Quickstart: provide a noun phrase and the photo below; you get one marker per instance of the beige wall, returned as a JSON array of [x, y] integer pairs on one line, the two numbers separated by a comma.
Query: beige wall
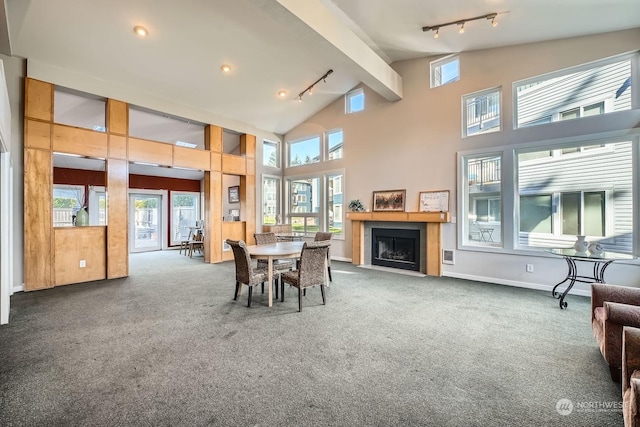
[[412, 144]]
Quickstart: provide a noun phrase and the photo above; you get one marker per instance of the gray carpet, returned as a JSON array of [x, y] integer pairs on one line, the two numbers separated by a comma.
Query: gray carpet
[[169, 347]]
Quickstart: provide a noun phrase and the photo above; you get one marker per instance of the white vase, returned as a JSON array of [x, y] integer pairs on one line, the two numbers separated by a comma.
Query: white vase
[[595, 249], [581, 245]]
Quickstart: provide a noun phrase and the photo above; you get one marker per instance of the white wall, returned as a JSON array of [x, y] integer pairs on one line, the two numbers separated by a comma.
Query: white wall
[[412, 144]]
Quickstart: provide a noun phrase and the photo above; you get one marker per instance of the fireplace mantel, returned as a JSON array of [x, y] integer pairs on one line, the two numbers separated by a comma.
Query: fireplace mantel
[[433, 220]]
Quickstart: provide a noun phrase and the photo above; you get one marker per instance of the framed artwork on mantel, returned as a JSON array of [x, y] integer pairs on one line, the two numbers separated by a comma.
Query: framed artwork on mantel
[[389, 201], [434, 201]]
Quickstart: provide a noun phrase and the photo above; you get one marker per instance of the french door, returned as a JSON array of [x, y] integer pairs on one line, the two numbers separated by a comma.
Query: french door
[[145, 222]]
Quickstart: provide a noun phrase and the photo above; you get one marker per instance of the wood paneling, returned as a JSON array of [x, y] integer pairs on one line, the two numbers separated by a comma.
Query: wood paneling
[[233, 165], [67, 139], [37, 134], [38, 100], [400, 216], [191, 158], [213, 138], [117, 218], [117, 147], [141, 150], [216, 162], [357, 242], [251, 167], [235, 231], [248, 145], [434, 249], [213, 216], [248, 204], [117, 117], [38, 219], [75, 244]]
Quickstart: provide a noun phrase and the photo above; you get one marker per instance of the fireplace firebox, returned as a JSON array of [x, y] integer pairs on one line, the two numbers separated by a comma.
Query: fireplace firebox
[[395, 248]]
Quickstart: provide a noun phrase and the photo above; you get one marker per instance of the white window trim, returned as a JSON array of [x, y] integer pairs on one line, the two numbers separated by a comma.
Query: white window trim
[[304, 138], [326, 144], [278, 196], [278, 154], [479, 94], [439, 63], [347, 99]]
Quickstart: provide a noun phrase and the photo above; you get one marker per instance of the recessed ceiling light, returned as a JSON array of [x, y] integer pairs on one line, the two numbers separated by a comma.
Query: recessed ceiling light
[[185, 144], [140, 30], [282, 93], [226, 68]]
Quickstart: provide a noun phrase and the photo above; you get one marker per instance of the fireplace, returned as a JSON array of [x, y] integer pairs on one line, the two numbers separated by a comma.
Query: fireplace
[[396, 248]]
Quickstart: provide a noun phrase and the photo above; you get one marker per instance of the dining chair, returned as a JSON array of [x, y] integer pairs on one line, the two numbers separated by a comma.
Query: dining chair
[[196, 243], [184, 244], [279, 265], [311, 271], [320, 237], [245, 273]]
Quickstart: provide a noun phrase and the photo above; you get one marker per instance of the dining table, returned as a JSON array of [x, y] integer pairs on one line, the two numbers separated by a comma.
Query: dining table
[[274, 251]]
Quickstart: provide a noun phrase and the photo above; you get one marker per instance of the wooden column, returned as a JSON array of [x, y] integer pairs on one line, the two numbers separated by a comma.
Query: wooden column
[[213, 196], [434, 249], [357, 242], [248, 185]]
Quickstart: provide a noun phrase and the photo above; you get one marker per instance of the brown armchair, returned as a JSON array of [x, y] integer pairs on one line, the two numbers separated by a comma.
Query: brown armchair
[[631, 376], [612, 308]]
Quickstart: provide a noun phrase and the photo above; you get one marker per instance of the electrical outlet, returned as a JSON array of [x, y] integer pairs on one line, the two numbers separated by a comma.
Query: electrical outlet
[[529, 268], [83, 263]]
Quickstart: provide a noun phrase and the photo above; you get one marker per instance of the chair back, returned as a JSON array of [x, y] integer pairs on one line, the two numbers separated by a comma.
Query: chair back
[[321, 236], [265, 238], [242, 259], [312, 259]]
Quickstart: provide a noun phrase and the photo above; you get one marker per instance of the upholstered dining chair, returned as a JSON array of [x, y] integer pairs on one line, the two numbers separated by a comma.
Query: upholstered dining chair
[[631, 376], [245, 273], [310, 272], [321, 236], [279, 265]]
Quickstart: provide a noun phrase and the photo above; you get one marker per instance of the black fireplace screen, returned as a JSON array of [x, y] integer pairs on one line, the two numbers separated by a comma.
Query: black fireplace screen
[[396, 248]]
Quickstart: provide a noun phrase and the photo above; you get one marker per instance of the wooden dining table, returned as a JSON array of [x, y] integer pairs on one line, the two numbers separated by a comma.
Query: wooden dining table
[[272, 252]]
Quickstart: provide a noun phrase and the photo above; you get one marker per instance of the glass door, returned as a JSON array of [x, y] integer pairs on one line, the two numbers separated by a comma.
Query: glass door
[[145, 219], [185, 213]]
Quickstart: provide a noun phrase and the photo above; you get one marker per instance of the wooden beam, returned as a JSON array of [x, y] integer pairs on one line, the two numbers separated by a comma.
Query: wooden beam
[[117, 218]]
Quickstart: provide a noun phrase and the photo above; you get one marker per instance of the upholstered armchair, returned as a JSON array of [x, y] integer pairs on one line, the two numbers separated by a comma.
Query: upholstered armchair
[[245, 273], [631, 376], [612, 308], [311, 271]]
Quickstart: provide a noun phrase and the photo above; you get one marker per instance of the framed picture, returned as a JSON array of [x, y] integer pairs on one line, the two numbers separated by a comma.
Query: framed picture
[[234, 194], [434, 201], [389, 201]]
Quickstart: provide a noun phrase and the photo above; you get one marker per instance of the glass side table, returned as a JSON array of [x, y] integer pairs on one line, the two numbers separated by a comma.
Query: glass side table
[[600, 263]]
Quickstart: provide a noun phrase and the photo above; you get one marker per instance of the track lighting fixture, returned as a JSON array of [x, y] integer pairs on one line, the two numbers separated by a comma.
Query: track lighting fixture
[[309, 89], [436, 28]]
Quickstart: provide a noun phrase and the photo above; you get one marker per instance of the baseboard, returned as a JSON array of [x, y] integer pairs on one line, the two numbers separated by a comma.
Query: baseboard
[[514, 283], [339, 258], [19, 288]]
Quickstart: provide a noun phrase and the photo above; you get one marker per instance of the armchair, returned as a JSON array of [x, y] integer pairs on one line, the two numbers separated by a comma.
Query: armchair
[[631, 376], [612, 308]]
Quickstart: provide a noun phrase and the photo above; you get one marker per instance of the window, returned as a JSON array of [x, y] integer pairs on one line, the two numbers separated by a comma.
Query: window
[[270, 154], [315, 203], [304, 151], [445, 70], [334, 203], [481, 112], [67, 200], [270, 199], [334, 144], [79, 109], [185, 212], [585, 190], [354, 101], [483, 200], [587, 90]]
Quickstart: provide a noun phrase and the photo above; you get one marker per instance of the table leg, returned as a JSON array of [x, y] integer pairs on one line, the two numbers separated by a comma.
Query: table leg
[[270, 282], [571, 276], [572, 272]]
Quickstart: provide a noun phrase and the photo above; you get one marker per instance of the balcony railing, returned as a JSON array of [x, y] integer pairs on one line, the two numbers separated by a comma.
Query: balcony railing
[[483, 109], [484, 171]]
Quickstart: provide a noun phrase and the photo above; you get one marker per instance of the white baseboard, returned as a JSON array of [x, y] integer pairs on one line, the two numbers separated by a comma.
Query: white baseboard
[[514, 283], [339, 258], [19, 288]]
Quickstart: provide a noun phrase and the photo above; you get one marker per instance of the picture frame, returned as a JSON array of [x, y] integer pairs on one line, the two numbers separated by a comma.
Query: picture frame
[[389, 200], [433, 201], [234, 194]]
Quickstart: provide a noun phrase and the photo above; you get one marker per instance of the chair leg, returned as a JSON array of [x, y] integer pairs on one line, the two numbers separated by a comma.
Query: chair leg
[[263, 287], [235, 296], [250, 292], [616, 374], [329, 270], [275, 285], [299, 300], [304, 292], [322, 292], [281, 290]]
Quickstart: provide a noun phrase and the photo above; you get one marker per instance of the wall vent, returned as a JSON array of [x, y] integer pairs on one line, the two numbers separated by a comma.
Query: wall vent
[[448, 256]]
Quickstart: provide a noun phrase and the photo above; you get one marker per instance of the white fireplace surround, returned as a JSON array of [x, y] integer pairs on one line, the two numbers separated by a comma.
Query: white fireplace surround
[[398, 225]]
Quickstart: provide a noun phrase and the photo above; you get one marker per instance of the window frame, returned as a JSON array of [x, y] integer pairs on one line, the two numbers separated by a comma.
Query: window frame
[[438, 64], [349, 96], [465, 110], [278, 201], [276, 144], [327, 148], [301, 140]]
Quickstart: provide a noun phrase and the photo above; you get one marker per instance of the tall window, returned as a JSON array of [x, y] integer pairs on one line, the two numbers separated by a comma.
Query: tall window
[[445, 70], [334, 144], [304, 204], [304, 151], [334, 203], [185, 211], [270, 154], [483, 200], [270, 199], [591, 89], [354, 101], [481, 112]]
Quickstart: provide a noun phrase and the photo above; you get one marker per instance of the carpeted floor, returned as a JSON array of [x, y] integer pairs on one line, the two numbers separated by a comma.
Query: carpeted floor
[[169, 347]]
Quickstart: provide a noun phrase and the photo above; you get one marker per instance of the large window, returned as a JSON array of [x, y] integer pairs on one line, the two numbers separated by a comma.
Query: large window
[[483, 194], [591, 89], [445, 70], [270, 154], [270, 200], [481, 112], [304, 151], [315, 203]]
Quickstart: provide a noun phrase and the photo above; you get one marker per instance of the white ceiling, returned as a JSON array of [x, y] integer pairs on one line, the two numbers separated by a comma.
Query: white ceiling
[[275, 45]]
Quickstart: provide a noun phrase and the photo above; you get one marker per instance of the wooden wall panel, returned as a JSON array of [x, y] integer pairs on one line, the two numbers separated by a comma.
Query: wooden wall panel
[[67, 139], [233, 165], [38, 219], [117, 218], [191, 158], [251, 167], [216, 162], [38, 100], [213, 138], [37, 134], [248, 145], [141, 150], [74, 244], [434, 249], [117, 147], [357, 242], [248, 204], [117, 117], [235, 231], [213, 216]]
